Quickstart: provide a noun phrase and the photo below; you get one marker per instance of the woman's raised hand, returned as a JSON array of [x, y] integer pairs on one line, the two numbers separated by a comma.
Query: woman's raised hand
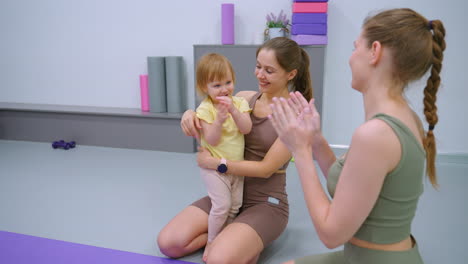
[[190, 124], [295, 120], [299, 103]]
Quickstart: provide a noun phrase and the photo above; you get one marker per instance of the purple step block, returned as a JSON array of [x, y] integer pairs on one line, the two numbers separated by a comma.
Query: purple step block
[[309, 29], [310, 1], [310, 39], [309, 18]]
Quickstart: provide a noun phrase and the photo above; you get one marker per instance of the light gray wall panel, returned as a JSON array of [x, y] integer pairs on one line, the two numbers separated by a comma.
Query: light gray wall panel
[[121, 131]]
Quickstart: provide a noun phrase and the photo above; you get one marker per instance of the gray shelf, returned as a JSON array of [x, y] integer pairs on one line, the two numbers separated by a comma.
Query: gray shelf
[[86, 110], [96, 126]]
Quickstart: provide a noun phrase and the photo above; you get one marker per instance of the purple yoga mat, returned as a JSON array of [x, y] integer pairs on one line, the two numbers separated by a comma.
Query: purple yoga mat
[[227, 24], [309, 18], [23, 249], [309, 29]]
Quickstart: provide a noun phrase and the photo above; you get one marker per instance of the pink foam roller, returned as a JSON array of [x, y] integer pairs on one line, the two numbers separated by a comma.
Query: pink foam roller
[[227, 24], [144, 93], [319, 7]]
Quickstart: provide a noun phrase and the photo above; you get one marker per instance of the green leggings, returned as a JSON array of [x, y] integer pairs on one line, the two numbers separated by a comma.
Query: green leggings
[[357, 255]]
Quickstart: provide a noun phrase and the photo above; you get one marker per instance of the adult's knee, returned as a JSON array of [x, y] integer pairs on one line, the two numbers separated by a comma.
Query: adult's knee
[[219, 257], [169, 245]]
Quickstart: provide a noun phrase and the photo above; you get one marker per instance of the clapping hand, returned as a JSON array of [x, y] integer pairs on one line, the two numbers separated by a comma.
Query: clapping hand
[[227, 101], [223, 111], [298, 103]]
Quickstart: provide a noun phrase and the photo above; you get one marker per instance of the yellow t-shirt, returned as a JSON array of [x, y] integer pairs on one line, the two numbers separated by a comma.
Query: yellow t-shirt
[[231, 144]]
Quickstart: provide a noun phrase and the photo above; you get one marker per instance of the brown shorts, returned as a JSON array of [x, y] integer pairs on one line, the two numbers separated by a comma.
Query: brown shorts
[[267, 219]]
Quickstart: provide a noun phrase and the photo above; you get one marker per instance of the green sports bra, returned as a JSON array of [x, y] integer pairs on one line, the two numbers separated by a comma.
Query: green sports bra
[[390, 219]]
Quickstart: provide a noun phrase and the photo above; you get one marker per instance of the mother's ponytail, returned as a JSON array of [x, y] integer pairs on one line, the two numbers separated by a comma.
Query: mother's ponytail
[[302, 82]]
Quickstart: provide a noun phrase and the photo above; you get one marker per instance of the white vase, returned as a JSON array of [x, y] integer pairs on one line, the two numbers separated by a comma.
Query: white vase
[[276, 32]]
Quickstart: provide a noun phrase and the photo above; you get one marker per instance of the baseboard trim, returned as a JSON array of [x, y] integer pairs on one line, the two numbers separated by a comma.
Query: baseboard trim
[[442, 157], [455, 158]]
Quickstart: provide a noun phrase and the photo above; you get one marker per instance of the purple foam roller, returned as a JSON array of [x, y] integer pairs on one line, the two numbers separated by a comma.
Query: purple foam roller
[[227, 24]]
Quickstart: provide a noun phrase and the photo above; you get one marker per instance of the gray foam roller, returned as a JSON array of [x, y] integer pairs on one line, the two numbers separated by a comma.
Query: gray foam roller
[[176, 93], [157, 84]]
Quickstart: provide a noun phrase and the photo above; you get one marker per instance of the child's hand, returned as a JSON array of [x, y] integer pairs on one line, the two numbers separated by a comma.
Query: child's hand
[[222, 112], [226, 100]]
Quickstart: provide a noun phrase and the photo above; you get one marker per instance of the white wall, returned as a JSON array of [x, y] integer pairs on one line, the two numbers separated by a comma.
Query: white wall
[[91, 52], [343, 111]]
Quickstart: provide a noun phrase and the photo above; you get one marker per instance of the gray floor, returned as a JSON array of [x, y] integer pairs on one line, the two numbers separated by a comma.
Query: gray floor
[[121, 198]]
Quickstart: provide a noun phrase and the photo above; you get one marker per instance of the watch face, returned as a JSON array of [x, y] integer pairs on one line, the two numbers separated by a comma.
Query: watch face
[[222, 168]]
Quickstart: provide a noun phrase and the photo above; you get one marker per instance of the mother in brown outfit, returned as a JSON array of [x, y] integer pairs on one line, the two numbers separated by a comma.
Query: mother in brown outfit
[[282, 66]]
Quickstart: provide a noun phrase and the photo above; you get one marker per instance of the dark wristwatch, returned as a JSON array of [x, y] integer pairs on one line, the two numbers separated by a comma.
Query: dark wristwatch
[[222, 167]]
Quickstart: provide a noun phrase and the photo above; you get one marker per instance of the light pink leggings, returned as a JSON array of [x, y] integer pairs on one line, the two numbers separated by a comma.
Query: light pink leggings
[[225, 192]]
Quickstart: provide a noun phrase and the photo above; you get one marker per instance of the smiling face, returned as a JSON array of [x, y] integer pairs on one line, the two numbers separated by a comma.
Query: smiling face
[[223, 87], [272, 78], [215, 76]]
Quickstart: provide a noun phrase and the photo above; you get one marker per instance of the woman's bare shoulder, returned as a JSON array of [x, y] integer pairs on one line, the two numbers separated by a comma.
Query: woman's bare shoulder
[[246, 94]]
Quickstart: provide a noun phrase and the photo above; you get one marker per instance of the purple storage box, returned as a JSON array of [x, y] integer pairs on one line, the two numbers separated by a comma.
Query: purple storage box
[[310, 39], [309, 18], [309, 29]]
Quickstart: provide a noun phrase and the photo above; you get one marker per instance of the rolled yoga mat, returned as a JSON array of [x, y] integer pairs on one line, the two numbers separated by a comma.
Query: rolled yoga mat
[[227, 24], [157, 84], [144, 93], [176, 92], [24, 249]]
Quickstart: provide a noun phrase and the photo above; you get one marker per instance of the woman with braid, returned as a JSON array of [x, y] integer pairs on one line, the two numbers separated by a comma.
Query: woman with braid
[[376, 185]]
